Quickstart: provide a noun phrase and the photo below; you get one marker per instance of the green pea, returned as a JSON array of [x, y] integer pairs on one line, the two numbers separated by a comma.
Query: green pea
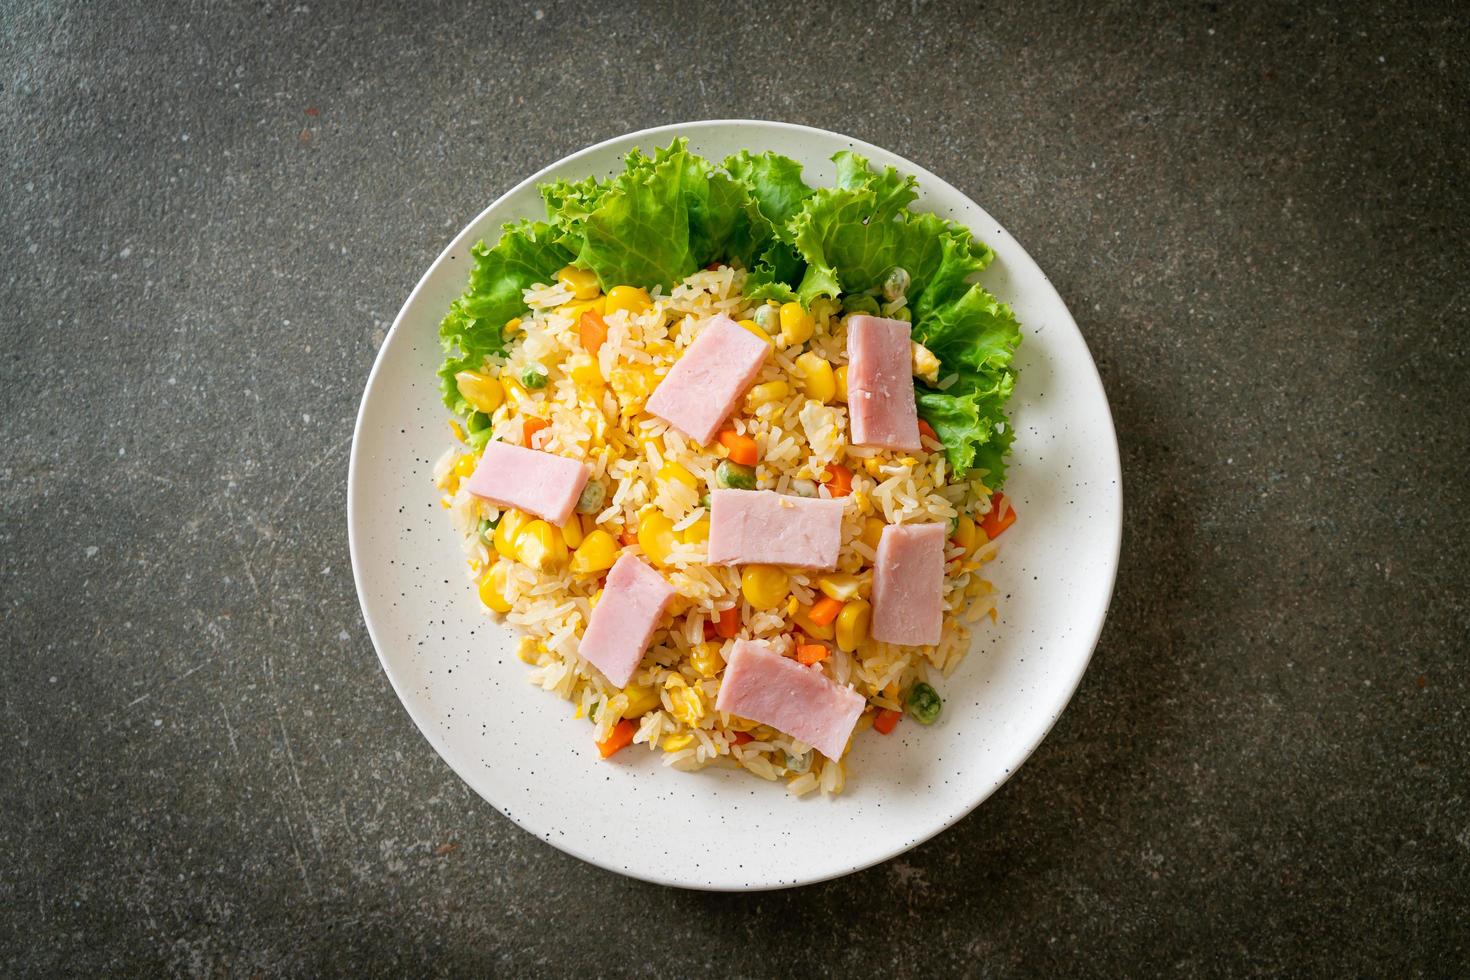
[[704, 501], [591, 500], [924, 703], [896, 284], [859, 303], [734, 476], [768, 318], [532, 377], [903, 315]]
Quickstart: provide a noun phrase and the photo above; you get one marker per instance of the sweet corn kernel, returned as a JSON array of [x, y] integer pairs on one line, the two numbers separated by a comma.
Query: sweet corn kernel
[[514, 390], [581, 283], [754, 328], [465, 465], [841, 587], [696, 533], [840, 376], [676, 743], [584, 371], [482, 392], [821, 383], [634, 299], [540, 546], [764, 586], [672, 471], [457, 429], [873, 532], [964, 534], [852, 624], [641, 700], [766, 394], [492, 588], [597, 553], [656, 536], [572, 533], [706, 659], [797, 325], [925, 364], [873, 467], [508, 530], [512, 327]]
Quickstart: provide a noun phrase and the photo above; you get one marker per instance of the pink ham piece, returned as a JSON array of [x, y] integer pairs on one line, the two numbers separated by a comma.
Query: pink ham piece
[[774, 529], [633, 601], [880, 383], [538, 483], [908, 584], [702, 387], [765, 687]]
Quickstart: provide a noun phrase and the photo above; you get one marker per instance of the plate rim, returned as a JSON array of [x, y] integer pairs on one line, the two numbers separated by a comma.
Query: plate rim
[[1054, 708]]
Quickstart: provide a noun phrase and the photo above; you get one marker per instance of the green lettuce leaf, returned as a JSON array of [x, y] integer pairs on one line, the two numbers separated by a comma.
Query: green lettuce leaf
[[774, 274], [852, 235], [526, 254], [773, 180], [664, 217], [974, 336]]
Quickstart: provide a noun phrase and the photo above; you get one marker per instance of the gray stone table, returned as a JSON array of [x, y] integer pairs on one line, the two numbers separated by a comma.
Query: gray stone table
[[212, 212]]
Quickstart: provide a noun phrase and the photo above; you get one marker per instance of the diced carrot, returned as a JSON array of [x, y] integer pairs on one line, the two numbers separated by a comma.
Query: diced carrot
[[530, 428], [593, 331], [742, 449], [811, 653], [840, 482], [742, 737], [887, 720], [709, 630], [729, 622], [628, 539], [619, 738], [1002, 515], [927, 431], [825, 610]]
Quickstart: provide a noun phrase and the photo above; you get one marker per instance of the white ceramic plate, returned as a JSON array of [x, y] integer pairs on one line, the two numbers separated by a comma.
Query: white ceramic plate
[[456, 672]]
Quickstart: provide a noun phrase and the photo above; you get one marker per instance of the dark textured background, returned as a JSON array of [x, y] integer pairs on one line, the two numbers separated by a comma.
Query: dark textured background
[[212, 213]]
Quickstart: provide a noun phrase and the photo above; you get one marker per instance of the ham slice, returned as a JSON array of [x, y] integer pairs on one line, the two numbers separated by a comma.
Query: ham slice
[[702, 387], [633, 601], [880, 383], [908, 584], [774, 529], [539, 483], [765, 687]]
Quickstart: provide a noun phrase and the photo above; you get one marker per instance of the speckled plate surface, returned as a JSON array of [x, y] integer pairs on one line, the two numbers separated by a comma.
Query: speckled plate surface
[[457, 674]]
